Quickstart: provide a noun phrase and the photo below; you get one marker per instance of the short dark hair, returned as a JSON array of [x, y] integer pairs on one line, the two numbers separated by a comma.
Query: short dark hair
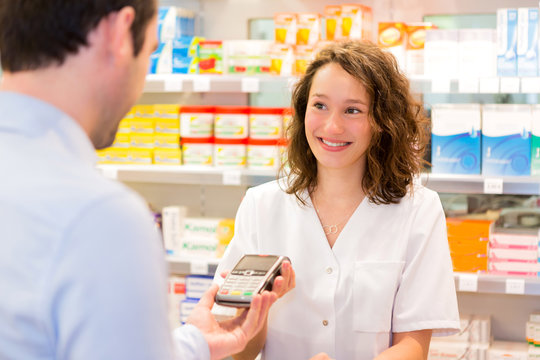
[[400, 129], [38, 33]]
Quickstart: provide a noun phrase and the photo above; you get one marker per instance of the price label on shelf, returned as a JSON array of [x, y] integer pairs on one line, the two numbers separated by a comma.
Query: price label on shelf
[[468, 85], [232, 177], [198, 267], [201, 83], [489, 85], [515, 286], [440, 85], [493, 186], [173, 84], [250, 85], [509, 85], [468, 282], [530, 85]]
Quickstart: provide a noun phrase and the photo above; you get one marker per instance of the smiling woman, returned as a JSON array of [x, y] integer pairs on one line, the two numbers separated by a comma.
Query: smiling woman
[[369, 248]]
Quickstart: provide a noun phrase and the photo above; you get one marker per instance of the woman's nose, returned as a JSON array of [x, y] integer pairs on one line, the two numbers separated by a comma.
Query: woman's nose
[[334, 123]]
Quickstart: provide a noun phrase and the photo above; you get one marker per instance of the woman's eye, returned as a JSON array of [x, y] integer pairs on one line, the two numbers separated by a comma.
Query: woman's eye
[[319, 106], [353, 111]]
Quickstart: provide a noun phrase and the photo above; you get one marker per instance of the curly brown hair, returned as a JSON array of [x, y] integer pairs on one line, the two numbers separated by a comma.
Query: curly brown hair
[[400, 127]]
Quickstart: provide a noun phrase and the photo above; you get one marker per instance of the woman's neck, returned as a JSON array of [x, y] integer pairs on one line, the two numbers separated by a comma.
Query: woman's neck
[[339, 185]]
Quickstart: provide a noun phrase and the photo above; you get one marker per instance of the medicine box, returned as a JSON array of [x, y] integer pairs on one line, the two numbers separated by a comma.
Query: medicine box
[[527, 44], [196, 285], [186, 307], [507, 34], [456, 139], [535, 140], [506, 143], [441, 51]]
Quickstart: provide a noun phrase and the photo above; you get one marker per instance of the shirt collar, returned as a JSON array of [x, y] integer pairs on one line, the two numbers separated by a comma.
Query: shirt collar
[[31, 117]]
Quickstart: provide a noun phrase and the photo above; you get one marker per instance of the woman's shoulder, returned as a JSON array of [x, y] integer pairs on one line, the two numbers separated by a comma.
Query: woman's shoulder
[[419, 195], [269, 189]]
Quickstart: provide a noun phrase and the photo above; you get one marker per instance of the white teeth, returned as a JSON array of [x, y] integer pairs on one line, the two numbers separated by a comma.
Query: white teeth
[[333, 144]]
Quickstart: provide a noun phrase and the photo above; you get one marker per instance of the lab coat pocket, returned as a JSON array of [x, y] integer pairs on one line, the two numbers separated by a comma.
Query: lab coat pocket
[[374, 289]]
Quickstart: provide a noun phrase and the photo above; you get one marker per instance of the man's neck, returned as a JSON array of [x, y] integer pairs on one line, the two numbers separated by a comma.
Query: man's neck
[[56, 86]]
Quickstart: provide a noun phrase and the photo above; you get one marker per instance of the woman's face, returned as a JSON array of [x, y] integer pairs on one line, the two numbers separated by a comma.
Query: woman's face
[[338, 127]]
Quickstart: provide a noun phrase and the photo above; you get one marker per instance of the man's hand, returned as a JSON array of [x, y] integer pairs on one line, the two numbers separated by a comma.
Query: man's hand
[[230, 336]]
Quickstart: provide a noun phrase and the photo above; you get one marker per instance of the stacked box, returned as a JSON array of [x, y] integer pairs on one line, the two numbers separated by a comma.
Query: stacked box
[[507, 35], [514, 252], [506, 140], [468, 241], [527, 43], [455, 139]]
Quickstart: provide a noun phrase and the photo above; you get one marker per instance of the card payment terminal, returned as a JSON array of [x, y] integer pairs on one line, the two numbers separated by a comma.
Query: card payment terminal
[[250, 276]]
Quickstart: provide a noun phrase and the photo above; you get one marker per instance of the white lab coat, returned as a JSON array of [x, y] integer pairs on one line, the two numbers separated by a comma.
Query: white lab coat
[[389, 271]]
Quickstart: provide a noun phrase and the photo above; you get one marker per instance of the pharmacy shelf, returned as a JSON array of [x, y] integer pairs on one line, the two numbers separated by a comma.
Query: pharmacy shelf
[[465, 282], [494, 284], [191, 175], [177, 83], [192, 265], [479, 184]]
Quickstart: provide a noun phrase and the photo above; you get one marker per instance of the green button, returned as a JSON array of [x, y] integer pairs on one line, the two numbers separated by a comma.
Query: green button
[[248, 293]]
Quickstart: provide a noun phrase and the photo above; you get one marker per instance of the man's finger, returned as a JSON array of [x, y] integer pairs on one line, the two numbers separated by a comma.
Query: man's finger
[[268, 298], [250, 325]]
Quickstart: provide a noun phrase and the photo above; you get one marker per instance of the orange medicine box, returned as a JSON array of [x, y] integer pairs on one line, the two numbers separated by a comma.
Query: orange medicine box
[[285, 25], [308, 28], [356, 20], [470, 263], [392, 37], [468, 241], [332, 22], [468, 228], [414, 49]]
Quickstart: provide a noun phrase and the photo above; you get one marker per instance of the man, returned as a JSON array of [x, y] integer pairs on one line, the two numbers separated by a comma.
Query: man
[[82, 271]]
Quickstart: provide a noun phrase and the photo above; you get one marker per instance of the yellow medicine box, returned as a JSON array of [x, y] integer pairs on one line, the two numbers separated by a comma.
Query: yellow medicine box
[[141, 141], [168, 156], [167, 125], [112, 156], [168, 141], [139, 156], [122, 140]]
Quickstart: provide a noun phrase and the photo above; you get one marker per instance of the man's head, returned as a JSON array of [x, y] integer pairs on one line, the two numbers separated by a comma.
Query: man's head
[[40, 33], [87, 57]]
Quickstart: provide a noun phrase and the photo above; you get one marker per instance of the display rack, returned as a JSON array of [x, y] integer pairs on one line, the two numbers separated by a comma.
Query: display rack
[[177, 83], [447, 183], [192, 265], [186, 175], [465, 282]]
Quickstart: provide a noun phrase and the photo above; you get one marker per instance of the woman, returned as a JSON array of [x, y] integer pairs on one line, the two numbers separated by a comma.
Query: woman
[[368, 246]]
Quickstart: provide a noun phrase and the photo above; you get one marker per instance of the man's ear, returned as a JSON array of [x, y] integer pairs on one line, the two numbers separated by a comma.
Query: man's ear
[[117, 29]]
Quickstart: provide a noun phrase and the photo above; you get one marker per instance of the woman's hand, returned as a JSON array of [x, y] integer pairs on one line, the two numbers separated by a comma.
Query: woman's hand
[[286, 281]]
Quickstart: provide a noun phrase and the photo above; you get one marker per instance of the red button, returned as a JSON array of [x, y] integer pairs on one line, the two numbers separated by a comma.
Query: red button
[[224, 292]]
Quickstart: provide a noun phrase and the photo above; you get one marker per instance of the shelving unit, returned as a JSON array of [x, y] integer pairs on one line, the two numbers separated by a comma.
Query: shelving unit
[[465, 282], [186, 175], [448, 183], [176, 83], [508, 299]]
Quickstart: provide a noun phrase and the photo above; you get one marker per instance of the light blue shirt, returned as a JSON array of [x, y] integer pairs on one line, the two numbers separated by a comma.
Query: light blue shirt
[[82, 269]]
